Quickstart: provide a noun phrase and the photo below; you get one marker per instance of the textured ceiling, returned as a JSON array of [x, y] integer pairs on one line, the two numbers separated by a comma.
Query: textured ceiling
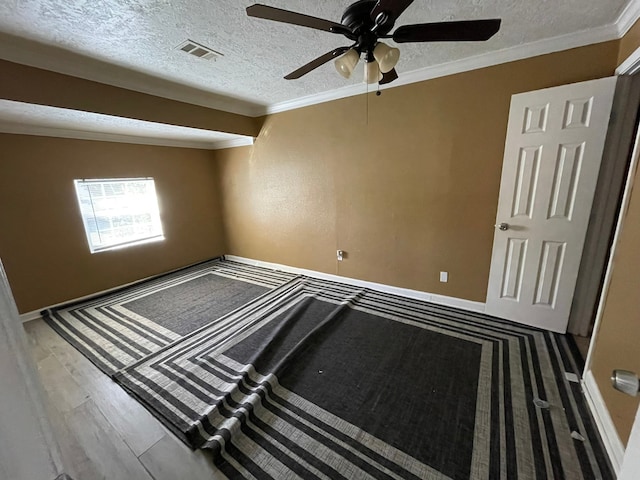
[[142, 35]]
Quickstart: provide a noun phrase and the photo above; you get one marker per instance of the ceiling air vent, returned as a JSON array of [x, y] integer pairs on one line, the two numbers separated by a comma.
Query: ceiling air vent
[[197, 50]]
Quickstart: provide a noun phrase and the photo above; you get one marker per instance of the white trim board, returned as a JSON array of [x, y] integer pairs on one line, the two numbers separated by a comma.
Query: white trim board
[[606, 427], [628, 17], [235, 142], [405, 292], [45, 131]]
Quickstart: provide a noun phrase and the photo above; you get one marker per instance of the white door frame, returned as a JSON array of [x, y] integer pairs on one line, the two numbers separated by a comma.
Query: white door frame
[[616, 237], [631, 461], [608, 431], [625, 463], [629, 67]]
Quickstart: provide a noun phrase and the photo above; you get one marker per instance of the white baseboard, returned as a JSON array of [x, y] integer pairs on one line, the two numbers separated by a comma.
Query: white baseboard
[[405, 292], [607, 429], [27, 317]]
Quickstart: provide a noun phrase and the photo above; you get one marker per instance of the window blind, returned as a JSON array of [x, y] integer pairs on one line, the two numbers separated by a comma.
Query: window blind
[[119, 212]]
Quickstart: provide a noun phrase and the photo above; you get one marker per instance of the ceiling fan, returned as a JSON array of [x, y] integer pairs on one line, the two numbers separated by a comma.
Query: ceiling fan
[[367, 21]]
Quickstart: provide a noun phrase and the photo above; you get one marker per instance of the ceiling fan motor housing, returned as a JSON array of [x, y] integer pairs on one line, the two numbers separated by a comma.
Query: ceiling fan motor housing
[[364, 23], [357, 18]]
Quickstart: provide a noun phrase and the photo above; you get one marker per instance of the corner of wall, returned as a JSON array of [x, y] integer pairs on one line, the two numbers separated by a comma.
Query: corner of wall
[[216, 159]]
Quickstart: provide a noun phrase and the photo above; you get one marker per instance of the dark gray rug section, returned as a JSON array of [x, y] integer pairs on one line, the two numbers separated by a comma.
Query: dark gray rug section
[[353, 367], [318, 379], [121, 328], [200, 301]]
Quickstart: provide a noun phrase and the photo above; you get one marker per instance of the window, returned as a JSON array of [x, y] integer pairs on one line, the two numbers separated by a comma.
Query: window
[[119, 212]]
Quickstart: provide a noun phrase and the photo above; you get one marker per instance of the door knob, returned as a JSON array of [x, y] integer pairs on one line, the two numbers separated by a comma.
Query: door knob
[[502, 226], [626, 382]]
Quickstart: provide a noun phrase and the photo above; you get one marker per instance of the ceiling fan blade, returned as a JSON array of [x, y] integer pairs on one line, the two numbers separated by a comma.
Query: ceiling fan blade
[[462, 31], [313, 64], [389, 77], [393, 8], [287, 16]]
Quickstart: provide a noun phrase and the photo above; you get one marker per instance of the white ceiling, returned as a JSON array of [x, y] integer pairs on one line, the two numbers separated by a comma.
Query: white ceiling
[[132, 44]]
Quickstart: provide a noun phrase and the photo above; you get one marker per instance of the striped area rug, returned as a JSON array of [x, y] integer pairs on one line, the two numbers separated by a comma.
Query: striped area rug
[[317, 379], [118, 329]]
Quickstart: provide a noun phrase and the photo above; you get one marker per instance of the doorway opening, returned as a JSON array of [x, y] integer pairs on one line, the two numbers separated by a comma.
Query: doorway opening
[[619, 155]]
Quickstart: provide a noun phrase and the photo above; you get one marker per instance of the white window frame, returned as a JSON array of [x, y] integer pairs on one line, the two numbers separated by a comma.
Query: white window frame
[[90, 218]]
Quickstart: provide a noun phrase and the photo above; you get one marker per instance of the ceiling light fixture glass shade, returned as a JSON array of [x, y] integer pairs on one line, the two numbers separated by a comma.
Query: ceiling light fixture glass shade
[[386, 56], [372, 72], [347, 62]]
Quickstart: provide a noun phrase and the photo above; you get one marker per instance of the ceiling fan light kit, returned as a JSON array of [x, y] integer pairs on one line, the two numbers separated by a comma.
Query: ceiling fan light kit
[[347, 63], [366, 22], [372, 73], [386, 56]]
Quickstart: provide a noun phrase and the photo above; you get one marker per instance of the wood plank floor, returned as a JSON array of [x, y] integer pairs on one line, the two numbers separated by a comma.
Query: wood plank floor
[[104, 433]]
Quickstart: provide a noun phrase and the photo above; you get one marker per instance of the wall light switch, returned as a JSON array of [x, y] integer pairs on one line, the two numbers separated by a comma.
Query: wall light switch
[[444, 277]]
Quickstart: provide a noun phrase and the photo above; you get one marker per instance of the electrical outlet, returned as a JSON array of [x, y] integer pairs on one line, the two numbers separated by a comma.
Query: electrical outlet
[[444, 277], [340, 255]]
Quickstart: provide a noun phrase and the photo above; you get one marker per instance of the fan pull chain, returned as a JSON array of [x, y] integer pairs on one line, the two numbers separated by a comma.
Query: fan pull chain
[[367, 97]]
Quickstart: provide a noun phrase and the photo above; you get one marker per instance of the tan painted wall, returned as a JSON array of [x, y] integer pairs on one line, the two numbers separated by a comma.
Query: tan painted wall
[[42, 242], [617, 340], [22, 83], [629, 43], [408, 186]]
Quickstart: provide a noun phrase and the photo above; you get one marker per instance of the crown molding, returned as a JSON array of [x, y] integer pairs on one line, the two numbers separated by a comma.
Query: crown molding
[[43, 131], [628, 17], [233, 143], [322, 97], [520, 52]]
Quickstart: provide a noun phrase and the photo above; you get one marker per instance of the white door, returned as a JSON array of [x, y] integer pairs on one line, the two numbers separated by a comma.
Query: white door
[[555, 140]]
